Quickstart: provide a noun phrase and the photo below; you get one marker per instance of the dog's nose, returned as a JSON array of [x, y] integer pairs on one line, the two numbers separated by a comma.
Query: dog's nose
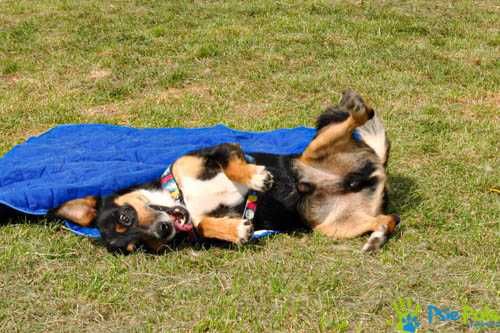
[[165, 229]]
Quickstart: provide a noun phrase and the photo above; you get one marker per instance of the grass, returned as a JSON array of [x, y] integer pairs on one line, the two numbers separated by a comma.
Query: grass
[[430, 67]]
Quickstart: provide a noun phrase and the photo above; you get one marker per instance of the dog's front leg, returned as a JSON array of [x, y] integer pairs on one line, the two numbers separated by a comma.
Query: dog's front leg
[[234, 230]]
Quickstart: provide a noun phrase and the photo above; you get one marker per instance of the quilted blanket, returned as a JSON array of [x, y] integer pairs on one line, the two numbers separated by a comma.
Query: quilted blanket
[[72, 161]]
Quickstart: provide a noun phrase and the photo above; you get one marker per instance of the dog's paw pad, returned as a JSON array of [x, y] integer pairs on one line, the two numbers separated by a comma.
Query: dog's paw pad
[[262, 180], [245, 231]]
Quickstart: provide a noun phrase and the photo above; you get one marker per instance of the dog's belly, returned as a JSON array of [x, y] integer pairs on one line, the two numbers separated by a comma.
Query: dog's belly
[[204, 196], [341, 207]]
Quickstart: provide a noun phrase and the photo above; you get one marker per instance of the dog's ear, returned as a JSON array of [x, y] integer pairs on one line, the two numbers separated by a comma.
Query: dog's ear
[[80, 211]]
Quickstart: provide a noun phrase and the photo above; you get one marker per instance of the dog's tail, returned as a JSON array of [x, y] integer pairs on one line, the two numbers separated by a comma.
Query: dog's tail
[[373, 134]]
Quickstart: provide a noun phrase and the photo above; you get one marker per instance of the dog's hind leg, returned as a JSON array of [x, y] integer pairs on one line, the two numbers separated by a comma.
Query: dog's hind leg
[[335, 126], [234, 230], [383, 231], [381, 226], [80, 211]]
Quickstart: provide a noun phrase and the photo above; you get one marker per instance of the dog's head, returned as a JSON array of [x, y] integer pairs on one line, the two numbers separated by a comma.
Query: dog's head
[[129, 220]]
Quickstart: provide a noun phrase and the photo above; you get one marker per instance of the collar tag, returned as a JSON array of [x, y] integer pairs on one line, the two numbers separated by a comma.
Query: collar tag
[[250, 206]]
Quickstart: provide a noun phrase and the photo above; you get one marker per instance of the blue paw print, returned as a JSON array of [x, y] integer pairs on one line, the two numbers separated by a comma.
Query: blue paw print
[[410, 323]]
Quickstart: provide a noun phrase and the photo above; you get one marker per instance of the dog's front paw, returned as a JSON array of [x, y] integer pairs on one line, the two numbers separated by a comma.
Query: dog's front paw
[[262, 180], [245, 231]]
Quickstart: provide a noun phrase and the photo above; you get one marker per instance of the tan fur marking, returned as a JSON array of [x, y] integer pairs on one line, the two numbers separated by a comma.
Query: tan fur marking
[[337, 135], [239, 170], [357, 225], [334, 135], [139, 202], [223, 228], [390, 223], [120, 228], [131, 247], [81, 211], [187, 166]]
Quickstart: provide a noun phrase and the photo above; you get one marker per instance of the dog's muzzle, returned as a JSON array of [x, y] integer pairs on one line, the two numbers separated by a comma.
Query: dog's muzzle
[[179, 215]]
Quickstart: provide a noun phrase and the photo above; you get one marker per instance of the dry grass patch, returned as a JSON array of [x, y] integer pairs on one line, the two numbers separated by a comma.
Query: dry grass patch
[[198, 90], [98, 74]]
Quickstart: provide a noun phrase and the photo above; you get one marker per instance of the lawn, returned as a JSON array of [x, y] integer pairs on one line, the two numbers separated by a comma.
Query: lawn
[[431, 68]]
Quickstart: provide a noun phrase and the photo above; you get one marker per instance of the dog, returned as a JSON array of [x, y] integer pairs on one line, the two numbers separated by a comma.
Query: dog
[[337, 186]]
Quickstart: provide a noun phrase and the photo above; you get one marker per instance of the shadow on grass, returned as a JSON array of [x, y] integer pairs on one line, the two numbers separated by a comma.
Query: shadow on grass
[[403, 198], [12, 216], [403, 194]]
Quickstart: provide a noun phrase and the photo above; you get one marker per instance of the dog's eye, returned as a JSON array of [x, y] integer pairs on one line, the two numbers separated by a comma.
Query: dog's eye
[[126, 217]]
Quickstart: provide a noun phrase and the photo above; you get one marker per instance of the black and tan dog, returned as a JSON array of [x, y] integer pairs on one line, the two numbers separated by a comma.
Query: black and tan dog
[[337, 186]]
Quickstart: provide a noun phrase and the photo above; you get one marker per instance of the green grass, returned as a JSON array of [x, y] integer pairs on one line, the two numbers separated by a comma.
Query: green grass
[[430, 67]]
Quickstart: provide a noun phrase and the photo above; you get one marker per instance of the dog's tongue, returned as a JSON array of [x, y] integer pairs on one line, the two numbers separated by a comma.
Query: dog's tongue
[[186, 227]]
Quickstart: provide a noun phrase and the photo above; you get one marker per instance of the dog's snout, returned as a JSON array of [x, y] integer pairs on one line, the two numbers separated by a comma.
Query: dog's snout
[[182, 213], [179, 213]]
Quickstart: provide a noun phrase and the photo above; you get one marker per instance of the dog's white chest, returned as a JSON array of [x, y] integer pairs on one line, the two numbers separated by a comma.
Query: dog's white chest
[[203, 196]]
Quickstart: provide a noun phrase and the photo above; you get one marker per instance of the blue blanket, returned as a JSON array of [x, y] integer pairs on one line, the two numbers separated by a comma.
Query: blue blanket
[[73, 161]]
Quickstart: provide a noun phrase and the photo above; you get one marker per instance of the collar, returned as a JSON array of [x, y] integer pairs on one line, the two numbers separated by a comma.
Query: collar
[[169, 184]]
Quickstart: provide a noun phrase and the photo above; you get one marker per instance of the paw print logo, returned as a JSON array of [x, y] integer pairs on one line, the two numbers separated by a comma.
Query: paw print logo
[[407, 315], [410, 323]]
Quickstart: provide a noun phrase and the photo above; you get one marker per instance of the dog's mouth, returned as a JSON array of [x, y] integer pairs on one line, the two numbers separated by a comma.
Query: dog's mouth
[[179, 215]]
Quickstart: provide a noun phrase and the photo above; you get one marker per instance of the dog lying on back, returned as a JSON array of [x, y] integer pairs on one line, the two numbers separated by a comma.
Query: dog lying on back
[[337, 186]]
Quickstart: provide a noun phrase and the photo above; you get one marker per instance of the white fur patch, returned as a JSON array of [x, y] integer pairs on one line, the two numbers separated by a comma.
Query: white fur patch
[[203, 196], [159, 197], [373, 133], [318, 176], [375, 241], [244, 232], [260, 178], [377, 234]]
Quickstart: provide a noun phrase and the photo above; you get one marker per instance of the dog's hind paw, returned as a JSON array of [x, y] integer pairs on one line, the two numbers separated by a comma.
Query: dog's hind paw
[[378, 238], [375, 241], [262, 180], [245, 231]]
